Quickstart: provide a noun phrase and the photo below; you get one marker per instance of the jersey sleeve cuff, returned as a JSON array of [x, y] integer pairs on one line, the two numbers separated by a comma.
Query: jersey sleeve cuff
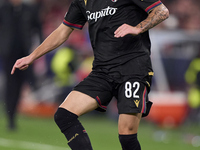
[[76, 26], [151, 7]]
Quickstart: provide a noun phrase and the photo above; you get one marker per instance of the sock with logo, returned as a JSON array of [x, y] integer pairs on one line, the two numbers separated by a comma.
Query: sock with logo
[[72, 129], [129, 142]]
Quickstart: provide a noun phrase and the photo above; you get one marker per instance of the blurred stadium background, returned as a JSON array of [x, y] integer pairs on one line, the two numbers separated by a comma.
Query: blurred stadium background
[[175, 117]]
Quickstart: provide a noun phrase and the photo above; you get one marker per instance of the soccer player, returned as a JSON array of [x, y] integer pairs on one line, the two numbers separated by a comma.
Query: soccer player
[[122, 67]]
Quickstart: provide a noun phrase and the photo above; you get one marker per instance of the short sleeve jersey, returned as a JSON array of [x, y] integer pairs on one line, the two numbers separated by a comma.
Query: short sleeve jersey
[[129, 55]]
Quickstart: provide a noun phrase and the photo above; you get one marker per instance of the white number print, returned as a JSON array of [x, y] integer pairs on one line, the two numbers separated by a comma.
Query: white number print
[[129, 87]]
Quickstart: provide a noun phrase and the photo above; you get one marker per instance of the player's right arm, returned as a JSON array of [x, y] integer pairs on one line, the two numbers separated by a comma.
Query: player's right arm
[[54, 40]]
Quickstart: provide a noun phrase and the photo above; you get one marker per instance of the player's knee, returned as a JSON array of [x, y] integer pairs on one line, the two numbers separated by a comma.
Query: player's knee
[[130, 129], [127, 130], [64, 119]]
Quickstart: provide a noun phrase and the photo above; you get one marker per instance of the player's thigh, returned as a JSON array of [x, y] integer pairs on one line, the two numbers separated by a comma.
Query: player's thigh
[[79, 103], [129, 123], [132, 96]]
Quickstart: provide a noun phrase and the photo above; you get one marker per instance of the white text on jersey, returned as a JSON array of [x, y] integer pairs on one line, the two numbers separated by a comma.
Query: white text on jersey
[[98, 14]]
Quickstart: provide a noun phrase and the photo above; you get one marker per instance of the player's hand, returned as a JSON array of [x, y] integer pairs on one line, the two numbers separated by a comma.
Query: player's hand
[[21, 64], [126, 29]]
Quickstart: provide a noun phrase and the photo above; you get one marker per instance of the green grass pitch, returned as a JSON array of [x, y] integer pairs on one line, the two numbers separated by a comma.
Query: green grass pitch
[[43, 134]]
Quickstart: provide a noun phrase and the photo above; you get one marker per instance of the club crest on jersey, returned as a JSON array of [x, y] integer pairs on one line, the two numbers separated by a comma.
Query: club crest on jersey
[[114, 1]]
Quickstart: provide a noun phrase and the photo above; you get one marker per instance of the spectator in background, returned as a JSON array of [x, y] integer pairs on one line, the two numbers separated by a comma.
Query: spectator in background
[[186, 12], [63, 65], [18, 22], [192, 77]]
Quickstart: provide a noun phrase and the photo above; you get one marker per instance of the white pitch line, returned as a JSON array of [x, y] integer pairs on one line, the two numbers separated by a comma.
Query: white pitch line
[[28, 145]]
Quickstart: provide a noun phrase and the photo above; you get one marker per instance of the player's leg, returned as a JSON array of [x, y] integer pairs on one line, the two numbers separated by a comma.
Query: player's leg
[[95, 92], [67, 115], [128, 127], [79, 103], [132, 102]]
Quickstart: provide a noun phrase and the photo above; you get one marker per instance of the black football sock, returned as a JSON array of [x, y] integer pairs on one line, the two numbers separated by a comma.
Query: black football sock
[[129, 142], [72, 129]]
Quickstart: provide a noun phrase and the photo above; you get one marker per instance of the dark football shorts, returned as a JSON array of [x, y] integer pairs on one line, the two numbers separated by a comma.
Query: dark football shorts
[[131, 94]]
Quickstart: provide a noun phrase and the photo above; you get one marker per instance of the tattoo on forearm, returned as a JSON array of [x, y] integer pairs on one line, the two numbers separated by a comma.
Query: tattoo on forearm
[[159, 14]]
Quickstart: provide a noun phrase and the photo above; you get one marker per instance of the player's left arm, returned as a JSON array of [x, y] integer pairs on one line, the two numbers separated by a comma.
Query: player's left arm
[[156, 16]]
